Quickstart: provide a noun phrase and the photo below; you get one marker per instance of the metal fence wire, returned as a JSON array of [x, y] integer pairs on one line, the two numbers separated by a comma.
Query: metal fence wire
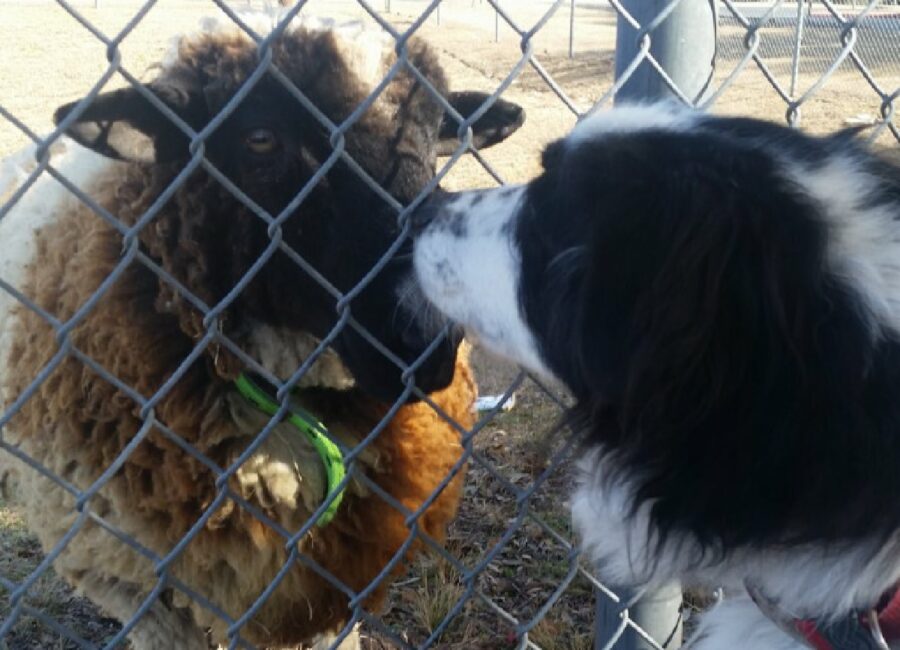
[[510, 574]]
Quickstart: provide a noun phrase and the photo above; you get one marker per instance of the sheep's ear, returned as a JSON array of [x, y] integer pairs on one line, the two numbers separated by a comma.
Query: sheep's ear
[[501, 120], [124, 125]]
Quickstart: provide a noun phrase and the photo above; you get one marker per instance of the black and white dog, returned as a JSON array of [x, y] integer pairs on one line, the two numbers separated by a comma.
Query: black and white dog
[[722, 297]]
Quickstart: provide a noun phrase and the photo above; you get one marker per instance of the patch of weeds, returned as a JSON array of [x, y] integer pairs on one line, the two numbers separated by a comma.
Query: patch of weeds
[[437, 595], [551, 634], [20, 555]]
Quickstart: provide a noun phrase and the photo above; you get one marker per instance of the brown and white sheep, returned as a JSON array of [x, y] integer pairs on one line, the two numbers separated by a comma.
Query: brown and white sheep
[[143, 330]]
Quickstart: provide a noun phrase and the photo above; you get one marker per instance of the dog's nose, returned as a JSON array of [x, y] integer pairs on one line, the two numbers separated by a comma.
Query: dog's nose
[[428, 211]]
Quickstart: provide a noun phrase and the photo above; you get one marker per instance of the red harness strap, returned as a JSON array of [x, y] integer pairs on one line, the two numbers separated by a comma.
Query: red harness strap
[[809, 631], [853, 632], [889, 616]]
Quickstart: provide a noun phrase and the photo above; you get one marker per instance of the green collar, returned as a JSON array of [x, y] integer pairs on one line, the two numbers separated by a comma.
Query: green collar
[[317, 434]]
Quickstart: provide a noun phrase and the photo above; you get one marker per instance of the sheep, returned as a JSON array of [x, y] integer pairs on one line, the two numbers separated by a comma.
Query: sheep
[[145, 330]]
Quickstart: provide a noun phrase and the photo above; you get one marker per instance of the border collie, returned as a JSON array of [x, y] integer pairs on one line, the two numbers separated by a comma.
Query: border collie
[[722, 297]]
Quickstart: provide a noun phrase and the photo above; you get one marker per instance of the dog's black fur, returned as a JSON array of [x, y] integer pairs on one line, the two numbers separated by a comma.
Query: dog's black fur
[[707, 340], [690, 284]]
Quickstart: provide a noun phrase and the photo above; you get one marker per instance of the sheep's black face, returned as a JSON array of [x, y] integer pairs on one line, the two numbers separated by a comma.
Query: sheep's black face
[[317, 210], [341, 228]]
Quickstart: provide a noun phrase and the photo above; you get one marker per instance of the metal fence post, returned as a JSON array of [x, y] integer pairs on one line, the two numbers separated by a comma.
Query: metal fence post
[[684, 44], [607, 622], [658, 613]]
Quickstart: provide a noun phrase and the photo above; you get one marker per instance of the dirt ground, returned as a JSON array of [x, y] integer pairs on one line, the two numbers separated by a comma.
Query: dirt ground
[[47, 58], [50, 59]]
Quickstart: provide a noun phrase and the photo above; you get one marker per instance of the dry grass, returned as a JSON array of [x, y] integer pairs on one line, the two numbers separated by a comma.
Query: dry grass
[[49, 59], [438, 591], [555, 633], [20, 554], [522, 557]]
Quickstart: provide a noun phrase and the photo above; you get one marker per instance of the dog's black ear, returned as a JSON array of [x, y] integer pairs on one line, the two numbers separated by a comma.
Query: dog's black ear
[[125, 125], [849, 134], [710, 328], [697, 275], [500, 121], [553, 155]]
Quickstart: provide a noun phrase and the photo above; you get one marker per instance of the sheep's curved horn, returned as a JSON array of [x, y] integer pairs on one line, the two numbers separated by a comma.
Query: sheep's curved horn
[[500, 121], [125, 125]]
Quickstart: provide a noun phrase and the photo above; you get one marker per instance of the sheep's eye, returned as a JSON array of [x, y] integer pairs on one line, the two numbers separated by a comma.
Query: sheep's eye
[[261, 141]]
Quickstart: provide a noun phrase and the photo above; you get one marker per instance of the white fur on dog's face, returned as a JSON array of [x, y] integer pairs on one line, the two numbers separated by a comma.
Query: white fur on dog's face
[[469, 266], [468, 260]]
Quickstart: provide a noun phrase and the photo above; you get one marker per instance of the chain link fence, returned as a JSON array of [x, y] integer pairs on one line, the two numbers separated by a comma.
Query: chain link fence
[[799, 47], [509, 574], [815, 36]]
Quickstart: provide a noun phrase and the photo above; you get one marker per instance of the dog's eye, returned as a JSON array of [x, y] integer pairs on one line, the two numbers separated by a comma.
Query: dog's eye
[[261, 141]]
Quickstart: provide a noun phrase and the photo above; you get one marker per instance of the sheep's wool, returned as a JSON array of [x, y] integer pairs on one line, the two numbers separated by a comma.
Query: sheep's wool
[[59, 253], [40, 205], [44, 200], [366, 50]]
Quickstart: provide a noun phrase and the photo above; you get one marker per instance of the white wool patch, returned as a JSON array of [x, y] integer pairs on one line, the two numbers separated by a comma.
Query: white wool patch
[[41, 205], [282, 351], [285, 474], [14, 171]]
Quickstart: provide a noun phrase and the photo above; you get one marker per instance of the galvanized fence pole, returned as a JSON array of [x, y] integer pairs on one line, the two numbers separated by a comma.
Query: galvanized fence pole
[[684, 46]]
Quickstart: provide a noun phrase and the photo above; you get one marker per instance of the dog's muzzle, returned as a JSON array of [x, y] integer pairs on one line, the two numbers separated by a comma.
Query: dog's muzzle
[[429, 211]]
